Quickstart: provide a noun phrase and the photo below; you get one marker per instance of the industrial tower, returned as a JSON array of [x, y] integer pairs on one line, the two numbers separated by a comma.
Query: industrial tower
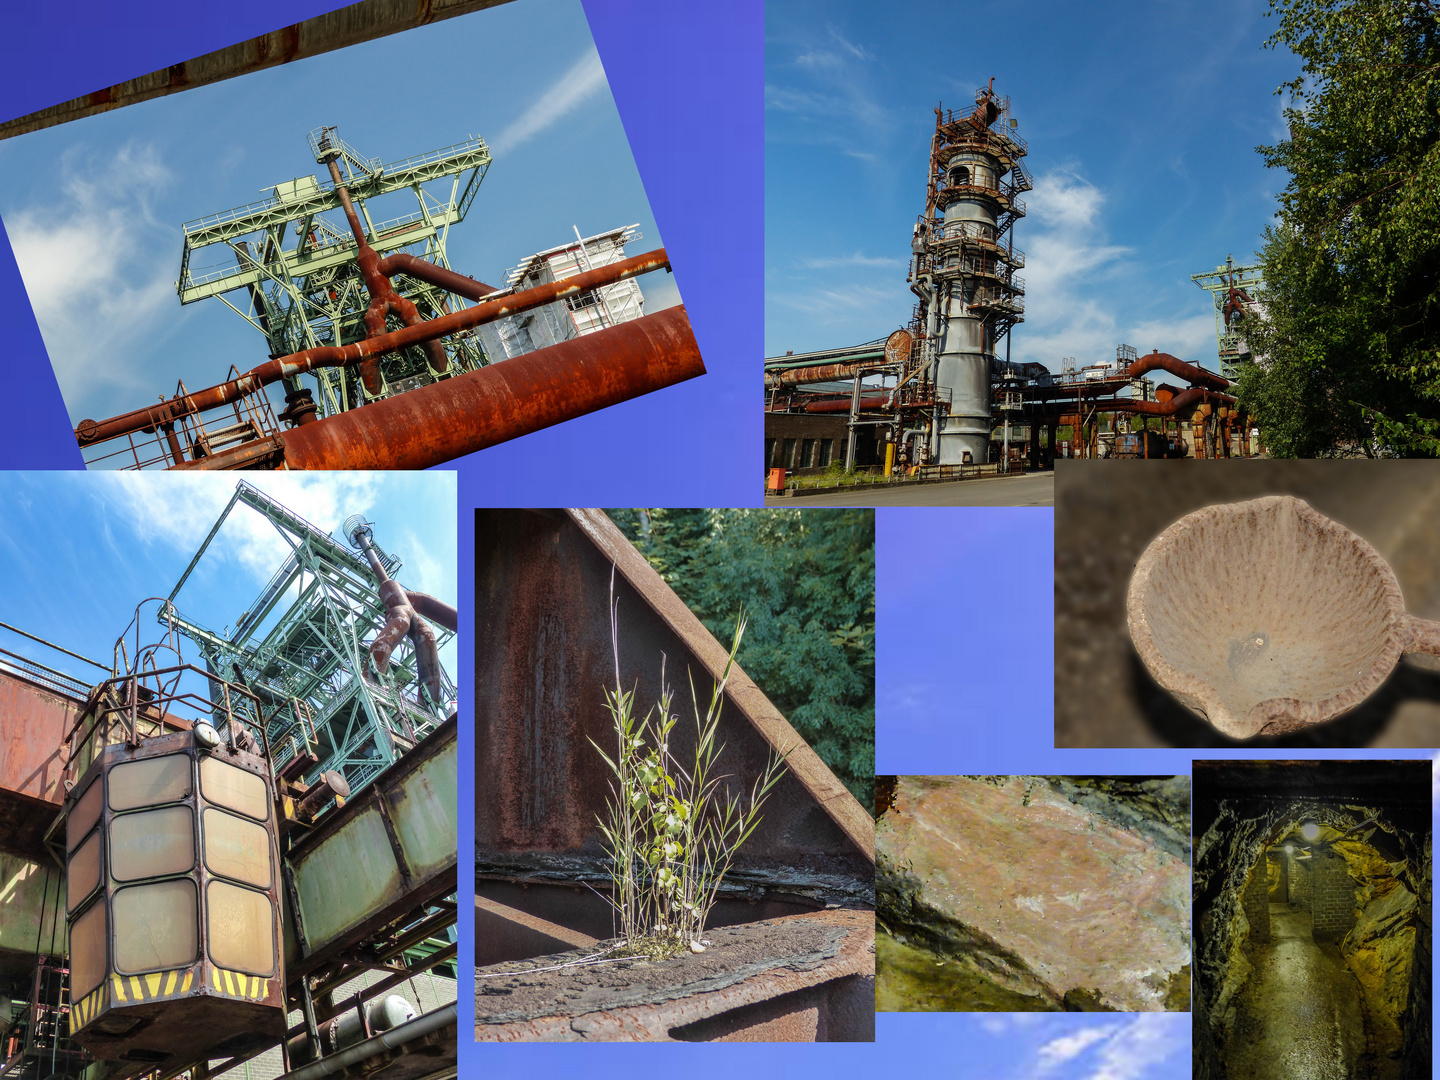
[[964, 267], [1238, 291]]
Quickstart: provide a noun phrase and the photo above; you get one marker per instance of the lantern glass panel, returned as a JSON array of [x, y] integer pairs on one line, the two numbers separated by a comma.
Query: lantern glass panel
[[236, 789], [240, 925], [152, 844], [87, 951], [149, 782], [84, 815], [155, 926], [82, 872], [237, 848]]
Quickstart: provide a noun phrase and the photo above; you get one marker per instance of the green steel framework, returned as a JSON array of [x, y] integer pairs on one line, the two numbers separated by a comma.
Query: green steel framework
[[310, 664], [1218, 283], [311, 292]]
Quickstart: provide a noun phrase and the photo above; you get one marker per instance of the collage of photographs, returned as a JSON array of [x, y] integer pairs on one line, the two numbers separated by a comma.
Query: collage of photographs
[[1037, 678]]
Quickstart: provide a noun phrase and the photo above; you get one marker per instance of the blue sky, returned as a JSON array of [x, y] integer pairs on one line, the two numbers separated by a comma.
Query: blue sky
[[1141, 119], [1040, 1046], [82, 549], [93, 208]]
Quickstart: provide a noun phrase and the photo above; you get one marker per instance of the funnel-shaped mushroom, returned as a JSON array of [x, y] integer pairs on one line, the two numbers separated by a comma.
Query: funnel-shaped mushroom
[[1266, 616]]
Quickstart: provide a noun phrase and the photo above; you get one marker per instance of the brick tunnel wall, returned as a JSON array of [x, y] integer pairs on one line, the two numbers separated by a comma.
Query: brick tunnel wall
[[1299, 883], [1333, 897], [1256, 902], [1279, 868]]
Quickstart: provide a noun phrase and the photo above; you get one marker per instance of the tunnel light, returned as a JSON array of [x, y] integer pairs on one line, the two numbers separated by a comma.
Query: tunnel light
[[1310, 831], [1289, 849]]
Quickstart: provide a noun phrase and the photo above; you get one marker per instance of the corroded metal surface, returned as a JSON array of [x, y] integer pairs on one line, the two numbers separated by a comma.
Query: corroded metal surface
[[348, 25], [446, 420], [90, 432], [802, 978], [388, 851], [543, 657], [33, 722]]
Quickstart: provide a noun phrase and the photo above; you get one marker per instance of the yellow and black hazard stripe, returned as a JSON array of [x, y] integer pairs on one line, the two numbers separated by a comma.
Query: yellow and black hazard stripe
[[235, 984], [87, 1008], [133, 989]]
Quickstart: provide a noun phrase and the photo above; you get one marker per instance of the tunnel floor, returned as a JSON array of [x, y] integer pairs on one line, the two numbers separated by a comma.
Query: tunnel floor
[[1299, 1016]]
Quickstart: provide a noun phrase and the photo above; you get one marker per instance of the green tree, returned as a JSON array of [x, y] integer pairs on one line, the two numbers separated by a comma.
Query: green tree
[[1351, 337], [806, 582]]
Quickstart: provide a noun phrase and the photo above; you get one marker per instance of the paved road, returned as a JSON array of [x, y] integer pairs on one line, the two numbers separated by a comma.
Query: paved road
[[1037, 489]]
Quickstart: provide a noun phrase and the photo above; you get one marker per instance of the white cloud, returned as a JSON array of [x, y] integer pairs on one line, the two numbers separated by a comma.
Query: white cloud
[[1151, 1039], [1066, 1047], [857, 259], [584, 80], [1074, 278], [99, 268], [178, 510]]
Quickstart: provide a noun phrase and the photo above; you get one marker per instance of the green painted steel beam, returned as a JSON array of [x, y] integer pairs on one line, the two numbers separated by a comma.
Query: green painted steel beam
[[256, 217]]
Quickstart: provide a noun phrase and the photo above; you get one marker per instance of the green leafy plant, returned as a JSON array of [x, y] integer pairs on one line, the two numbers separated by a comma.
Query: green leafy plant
[[671, 832]]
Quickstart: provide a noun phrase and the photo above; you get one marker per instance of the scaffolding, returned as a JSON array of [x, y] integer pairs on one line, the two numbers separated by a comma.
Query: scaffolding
[[298, 270], [301, 648], [1238, 292]]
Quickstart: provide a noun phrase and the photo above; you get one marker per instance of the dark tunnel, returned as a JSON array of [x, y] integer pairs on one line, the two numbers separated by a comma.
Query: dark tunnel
[[1312, 920]]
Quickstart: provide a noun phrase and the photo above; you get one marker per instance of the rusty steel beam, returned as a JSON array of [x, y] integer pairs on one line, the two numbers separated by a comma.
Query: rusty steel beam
[[90, 432], [348, 25], [542, 612], [824, 993], [466, 413]]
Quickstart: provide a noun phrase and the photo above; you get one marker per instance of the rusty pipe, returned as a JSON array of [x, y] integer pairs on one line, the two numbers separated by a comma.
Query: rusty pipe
[[814, 373], [427, 656], [437, 423], [398, 616], [1175, 366], [449, 280], [1182, 400], [436, 611], [384, 300], [844, 406], [402, 619], [90, 432]]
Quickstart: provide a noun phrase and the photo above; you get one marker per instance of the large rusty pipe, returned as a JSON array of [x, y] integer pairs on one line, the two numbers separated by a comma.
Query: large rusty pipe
[[814, 373], [466, 413], [1182, 400], [90, 432], [402, 619], [404, 263], [436, 611], [844, 406], [384, 300], [1175, 366]]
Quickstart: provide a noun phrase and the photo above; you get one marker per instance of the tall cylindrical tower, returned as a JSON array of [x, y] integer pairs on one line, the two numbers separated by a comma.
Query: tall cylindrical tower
[[964, 267]]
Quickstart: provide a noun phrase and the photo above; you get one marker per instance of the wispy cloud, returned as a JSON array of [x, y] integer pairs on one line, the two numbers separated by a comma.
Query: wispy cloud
[[1151, 1039], [583, 81], [188, 506], [98, 266], [1073, 276], [857, 259], [1062, 1049]]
